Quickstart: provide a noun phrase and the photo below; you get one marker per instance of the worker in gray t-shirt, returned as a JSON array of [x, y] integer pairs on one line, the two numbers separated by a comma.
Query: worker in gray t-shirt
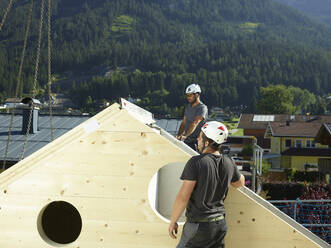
[[206, 180], [194, 117]]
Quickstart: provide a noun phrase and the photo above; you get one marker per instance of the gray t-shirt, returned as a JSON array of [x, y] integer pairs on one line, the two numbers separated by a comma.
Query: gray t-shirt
[[190, 113], [213, 175]]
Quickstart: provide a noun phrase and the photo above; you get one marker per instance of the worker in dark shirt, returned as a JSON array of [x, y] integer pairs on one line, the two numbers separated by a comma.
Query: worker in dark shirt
[[206, 179], [194, 117]]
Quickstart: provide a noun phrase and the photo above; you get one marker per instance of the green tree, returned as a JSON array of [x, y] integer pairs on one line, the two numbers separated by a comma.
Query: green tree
[[276, 99], [320, 106], [303, 100]]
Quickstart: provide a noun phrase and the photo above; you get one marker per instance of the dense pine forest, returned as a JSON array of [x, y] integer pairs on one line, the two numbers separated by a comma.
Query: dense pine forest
[[151, 49]]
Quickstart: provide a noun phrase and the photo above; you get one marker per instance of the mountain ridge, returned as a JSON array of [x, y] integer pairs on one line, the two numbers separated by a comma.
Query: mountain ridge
[[319, 9]]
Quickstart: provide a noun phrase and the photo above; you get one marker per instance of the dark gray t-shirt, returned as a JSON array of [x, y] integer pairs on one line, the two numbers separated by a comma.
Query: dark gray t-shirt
[[190, 113], [213, 175]]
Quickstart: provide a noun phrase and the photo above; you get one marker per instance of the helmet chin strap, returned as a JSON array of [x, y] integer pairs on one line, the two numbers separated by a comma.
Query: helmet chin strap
[[204, 147]]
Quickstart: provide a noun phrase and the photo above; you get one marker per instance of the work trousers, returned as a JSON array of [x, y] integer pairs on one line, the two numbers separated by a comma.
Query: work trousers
[[203, 235]]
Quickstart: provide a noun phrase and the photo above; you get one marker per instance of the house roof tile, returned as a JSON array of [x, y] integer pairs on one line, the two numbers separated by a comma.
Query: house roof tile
[[294, 129]]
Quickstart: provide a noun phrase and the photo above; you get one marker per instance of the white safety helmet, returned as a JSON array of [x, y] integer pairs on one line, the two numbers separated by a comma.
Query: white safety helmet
[[192, 89], [215, 131]]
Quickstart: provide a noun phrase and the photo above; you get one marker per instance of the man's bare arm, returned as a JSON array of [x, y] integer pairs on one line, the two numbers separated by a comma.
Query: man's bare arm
[[181, 201], [193, 125], [181, 129], [239, 183]]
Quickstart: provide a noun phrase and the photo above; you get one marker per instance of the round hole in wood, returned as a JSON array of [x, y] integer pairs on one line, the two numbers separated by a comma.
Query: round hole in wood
[[163, 188], [60, 223]]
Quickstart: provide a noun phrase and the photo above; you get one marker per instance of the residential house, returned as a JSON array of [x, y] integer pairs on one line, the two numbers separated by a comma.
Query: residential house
[[324, 137], [295, 144], [218, 114], [255, 124], [12, 102]]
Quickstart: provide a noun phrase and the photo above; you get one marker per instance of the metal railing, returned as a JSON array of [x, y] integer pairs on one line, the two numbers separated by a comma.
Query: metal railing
[[257, 166], [315, 215]]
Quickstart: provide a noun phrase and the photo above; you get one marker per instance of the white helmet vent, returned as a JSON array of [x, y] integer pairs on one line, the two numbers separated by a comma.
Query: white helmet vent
[[212, 131], [192, 89]]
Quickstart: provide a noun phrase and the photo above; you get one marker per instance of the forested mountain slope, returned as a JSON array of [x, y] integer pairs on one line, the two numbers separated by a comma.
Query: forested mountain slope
[[228, 46]]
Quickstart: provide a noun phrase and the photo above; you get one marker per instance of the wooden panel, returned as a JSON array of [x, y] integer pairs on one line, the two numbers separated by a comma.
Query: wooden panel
[[103, 168], [105, 221], [252, 225]]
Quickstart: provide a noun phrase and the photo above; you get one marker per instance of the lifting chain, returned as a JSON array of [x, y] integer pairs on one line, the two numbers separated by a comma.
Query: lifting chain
[[35, 77], [19, 83], [5, 14], [49, 71]]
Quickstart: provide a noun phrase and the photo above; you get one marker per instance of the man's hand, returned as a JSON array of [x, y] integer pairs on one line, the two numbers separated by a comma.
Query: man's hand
[[173, 229], [181, 137]]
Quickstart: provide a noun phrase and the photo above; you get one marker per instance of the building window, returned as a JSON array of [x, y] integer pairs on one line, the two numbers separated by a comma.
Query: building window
[[288, 143], [310, 144], [298, 143], [310, 167]]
